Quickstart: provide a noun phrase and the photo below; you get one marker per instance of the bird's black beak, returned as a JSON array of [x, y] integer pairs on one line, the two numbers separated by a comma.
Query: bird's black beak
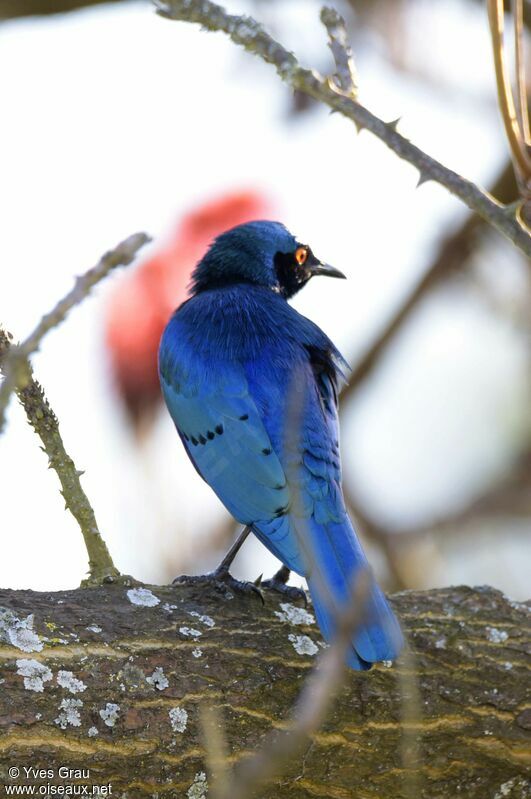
[[326, 269]]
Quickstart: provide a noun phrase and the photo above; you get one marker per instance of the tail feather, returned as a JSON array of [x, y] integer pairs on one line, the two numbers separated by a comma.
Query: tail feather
[[329, 555], [335, 556]]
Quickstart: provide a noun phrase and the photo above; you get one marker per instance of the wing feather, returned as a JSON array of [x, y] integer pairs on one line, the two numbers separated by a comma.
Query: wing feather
[[229, 445]]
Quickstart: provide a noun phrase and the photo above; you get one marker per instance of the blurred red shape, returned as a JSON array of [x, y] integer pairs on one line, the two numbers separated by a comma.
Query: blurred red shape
[[144, 299]]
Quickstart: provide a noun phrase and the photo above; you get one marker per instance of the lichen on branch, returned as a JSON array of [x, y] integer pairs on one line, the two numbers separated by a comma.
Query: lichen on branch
[[124, 675]]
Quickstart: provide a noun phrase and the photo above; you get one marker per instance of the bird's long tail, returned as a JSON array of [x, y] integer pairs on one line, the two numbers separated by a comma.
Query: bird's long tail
[[334, 557]]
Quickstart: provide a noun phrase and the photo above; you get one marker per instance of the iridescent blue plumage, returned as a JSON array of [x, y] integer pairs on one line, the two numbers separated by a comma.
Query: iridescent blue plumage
[[252, 388]]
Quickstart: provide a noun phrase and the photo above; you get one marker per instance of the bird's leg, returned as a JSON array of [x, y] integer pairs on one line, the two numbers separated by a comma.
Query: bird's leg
[[226, 563], [220, 578], [279, 582]]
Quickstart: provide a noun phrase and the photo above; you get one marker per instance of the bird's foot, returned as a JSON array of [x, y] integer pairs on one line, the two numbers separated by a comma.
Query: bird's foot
[[279, 583], [221, 580]]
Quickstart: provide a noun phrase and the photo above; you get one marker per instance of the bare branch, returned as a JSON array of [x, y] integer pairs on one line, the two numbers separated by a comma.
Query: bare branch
[[338, 42], [249, 34], [43, 420], [15, 367]]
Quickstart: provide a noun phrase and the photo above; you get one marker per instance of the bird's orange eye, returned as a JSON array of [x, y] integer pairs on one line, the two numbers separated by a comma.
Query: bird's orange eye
[[301, 255]]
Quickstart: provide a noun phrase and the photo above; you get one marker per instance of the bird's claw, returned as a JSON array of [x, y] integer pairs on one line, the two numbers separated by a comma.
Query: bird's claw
[[279, 583], [221, 580]]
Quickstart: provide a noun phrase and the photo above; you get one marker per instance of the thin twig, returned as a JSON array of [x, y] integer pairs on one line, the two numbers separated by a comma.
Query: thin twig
[[44, 421], [310, 709], [15, 367], [521, 83], [249, 34], [346, 75], [513, 131]]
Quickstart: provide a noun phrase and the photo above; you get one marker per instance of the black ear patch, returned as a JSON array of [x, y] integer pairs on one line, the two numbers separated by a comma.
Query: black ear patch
[[290, 274]]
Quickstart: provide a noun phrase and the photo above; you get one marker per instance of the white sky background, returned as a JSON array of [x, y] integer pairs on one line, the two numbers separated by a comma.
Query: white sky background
[[115, 121]]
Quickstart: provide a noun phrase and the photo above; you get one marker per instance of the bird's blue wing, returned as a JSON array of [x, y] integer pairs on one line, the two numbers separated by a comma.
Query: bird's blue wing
[[224, 434]]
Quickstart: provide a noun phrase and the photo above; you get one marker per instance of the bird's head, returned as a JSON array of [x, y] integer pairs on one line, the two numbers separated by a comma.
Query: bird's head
[[262, 253]]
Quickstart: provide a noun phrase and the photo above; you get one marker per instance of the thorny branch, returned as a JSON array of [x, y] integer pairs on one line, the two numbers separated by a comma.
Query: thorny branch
[[249, 34], [17, 372], [44, 421]]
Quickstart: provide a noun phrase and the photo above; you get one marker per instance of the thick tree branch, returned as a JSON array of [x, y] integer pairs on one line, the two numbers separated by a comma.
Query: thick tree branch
[[249, 34], [15, 366], [113, 681], [43, 420]]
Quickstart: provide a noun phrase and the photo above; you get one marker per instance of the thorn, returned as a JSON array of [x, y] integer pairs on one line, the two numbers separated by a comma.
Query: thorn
[[258, 581], [423, 178], [394, 124], [80, 472]]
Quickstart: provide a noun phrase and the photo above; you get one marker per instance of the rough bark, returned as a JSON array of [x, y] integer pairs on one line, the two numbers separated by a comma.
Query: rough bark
[[132, 720]]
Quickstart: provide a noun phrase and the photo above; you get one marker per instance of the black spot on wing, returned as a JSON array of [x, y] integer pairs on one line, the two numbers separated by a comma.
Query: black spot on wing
[[202, 438]]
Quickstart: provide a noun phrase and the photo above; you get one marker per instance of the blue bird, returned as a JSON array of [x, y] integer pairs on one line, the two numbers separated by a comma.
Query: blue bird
[[252, 387]]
